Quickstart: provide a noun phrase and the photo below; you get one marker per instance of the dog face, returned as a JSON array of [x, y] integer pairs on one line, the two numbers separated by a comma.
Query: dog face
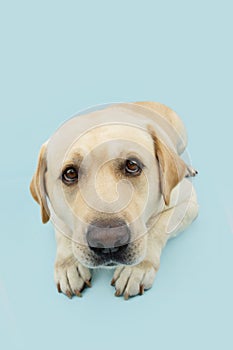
[[104, 181]]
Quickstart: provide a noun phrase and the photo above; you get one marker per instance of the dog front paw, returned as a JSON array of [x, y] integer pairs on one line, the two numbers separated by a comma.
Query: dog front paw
[[133, 280], [71, 277]]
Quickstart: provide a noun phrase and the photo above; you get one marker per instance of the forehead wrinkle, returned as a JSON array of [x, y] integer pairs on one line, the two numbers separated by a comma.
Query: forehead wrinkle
[[102, 134], [74, 157]]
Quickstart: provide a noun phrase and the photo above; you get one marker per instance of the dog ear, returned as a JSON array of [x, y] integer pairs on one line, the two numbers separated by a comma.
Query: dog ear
[[171, 167], [37, 185]]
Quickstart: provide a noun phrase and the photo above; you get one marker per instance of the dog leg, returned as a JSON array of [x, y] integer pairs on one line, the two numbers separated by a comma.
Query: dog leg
[[133, 280], [70, 276]]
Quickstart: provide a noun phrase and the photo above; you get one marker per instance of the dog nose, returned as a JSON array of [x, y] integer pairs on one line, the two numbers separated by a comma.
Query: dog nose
[[105, 237]]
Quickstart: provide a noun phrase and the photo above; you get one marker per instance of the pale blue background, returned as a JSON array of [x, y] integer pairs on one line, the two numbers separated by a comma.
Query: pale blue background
[[58, 57]]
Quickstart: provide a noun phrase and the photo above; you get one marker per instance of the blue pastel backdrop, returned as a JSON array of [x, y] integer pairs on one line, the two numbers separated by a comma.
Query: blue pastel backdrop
[[58, 57]]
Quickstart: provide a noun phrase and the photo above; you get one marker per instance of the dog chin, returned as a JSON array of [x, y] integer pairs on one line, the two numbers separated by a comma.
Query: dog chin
[[109, 265], [113, 264]]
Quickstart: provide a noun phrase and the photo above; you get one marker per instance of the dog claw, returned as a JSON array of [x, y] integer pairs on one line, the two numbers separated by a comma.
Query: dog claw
[[191, 172], [88, 283], [126, 296], [77, 293], [117, 293], [141, 289], [58, 288], [68, 294], [113, 281]]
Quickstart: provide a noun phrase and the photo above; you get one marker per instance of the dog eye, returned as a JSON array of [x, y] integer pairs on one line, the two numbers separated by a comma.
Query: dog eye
[[132, 167], [70, 175]]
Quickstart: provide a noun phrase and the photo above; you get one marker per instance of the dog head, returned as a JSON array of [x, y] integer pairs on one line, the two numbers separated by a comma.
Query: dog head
[[102, 176]]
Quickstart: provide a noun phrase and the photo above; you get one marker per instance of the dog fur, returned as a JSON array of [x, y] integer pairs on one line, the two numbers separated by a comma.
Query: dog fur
[[156, 205]]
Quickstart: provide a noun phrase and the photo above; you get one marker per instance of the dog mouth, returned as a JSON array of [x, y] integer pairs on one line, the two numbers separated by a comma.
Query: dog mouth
[[109, 259], [110, 264], [110, 256], [114, 257]]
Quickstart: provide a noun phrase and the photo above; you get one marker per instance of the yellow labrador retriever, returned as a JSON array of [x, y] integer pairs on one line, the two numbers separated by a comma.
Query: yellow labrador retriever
[[116, 189]]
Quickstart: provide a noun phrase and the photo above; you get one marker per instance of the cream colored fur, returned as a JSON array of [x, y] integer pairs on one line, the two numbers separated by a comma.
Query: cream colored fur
[[156, 206]]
